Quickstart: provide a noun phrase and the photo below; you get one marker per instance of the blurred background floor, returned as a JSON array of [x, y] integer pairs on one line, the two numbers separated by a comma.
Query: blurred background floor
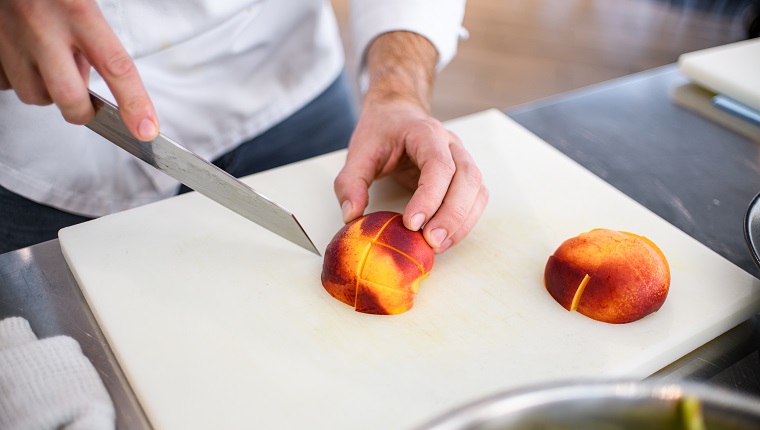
[[524, 50]]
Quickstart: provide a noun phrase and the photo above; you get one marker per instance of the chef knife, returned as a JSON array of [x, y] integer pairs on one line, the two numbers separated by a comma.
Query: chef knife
[[183, 165]]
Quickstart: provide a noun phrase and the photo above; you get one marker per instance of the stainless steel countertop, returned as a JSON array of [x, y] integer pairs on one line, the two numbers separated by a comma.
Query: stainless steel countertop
[[35, 282]]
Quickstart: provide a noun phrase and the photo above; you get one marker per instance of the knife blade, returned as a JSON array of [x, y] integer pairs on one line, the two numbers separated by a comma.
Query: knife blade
[[198, 174]]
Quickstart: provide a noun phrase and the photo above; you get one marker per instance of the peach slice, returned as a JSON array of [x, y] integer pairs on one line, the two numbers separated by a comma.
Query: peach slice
[[375, 264], [608, 275]]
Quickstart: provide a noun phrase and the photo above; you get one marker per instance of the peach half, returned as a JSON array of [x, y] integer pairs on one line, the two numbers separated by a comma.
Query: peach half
[[375, 264], [607, 275]]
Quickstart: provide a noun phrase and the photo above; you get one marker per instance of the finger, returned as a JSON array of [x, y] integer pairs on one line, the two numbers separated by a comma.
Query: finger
[[64, 83], [459, 200], [5, 84], [26, 81], [84, 67], [19, 65], [472, 218], [107, 55], [437, 168], [352, 186]]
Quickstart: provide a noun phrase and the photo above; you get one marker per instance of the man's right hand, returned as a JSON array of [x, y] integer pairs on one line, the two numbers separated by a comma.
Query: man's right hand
[[46, 50]]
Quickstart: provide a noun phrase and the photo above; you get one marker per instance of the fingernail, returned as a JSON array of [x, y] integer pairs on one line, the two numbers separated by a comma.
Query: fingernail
[[345, 209], [146, 129], [444, 246], [417, 220], [438, 235]]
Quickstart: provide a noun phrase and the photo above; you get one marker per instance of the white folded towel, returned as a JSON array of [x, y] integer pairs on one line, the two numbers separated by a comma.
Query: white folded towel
[[48, 383]]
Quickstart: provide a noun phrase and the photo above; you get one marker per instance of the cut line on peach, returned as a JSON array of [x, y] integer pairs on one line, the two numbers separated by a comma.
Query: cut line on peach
[[579, 292], [375, 264]]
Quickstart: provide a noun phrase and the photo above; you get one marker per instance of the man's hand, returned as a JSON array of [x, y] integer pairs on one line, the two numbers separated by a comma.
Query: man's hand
[[396, 135], [46, 50]]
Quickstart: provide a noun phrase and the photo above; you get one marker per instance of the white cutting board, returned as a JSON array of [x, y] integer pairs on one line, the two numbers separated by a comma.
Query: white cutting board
[[732, 70], [218, 323]]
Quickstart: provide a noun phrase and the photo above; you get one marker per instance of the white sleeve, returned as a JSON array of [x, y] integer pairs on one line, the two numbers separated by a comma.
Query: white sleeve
[[440, 21]]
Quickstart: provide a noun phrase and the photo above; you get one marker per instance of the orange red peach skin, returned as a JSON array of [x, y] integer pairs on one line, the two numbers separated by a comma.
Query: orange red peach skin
[[375, 264], [628, 276]]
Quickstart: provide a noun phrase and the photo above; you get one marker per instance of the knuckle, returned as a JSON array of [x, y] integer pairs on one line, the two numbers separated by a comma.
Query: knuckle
[[436, 129], [434, 192], [469, 171], [340, 181], [472, 174], [67, 95], [133, 104], [43, 100], [119, 65], [77, 8], [23, 8], [426, 128], [77, 114], [73, 102], [458, 215], [485, 193], [445, 163], [38, 97], [453, 137]]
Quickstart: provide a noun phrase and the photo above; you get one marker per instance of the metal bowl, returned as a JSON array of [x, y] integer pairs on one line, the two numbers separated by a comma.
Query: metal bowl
[[604, 405], [752, 228]]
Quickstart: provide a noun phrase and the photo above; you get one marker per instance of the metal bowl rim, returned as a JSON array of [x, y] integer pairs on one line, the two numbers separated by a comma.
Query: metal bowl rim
[[533, 396]]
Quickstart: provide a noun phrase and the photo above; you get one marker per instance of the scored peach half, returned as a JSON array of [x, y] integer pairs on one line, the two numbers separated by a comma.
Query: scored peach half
[[375, 264], [608, 275]]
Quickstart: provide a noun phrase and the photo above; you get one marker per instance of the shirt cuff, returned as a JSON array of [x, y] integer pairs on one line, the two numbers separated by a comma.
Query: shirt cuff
[[439, 21]]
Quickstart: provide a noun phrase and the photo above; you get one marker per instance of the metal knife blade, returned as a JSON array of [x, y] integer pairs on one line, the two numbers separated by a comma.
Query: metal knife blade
[[183, 165]]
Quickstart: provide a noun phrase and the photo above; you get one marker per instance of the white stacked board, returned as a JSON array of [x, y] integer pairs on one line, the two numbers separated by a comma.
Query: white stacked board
[[732, 70]]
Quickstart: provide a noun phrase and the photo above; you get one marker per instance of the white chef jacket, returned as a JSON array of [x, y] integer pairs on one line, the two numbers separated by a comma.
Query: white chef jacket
[[219, 72]]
